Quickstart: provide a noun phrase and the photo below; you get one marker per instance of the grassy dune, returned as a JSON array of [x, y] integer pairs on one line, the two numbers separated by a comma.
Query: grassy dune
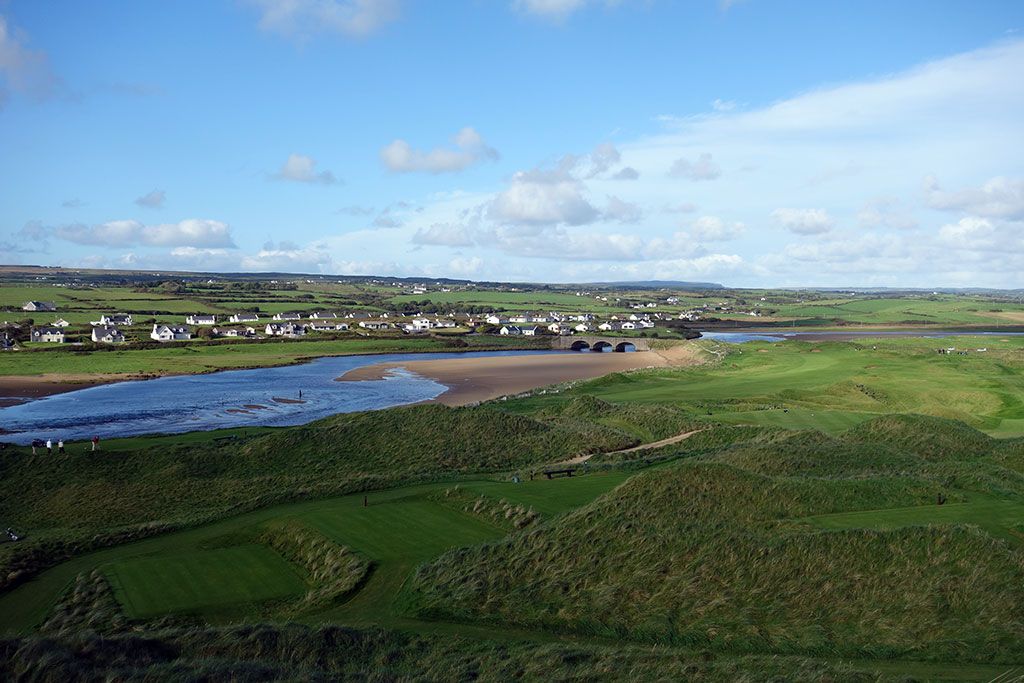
[[713, 553]]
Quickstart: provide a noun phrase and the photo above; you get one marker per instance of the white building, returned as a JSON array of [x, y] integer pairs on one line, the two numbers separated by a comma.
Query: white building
[[327, 327], [61, 322], [514, 330], [285, 330], [166, 333], [323, 315], [289, 315], [247, 332], [107, 335], [116, 319], [494, 320], [374, 324], [47, 334], [201, 319], [37, 306], [244, 318]]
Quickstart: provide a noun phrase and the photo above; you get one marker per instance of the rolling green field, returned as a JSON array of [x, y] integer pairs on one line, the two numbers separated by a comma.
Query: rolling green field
[[832, 386], [795, 535]]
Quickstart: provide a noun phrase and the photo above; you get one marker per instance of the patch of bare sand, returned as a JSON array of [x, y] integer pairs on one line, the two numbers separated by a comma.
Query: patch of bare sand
[[472, 380], [20, 388]]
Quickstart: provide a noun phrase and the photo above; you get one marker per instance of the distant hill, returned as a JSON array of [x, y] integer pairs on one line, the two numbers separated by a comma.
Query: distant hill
[[649, 284]]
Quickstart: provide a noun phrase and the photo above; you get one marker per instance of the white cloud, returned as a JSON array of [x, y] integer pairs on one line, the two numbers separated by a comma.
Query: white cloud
[[152, 200], [544, 197], [626, 173], [622, 211], [302, 169], [444, 234], [998, 198], [804, 221], [714, 229], [288, 257], [302, 19], [355, 210], [552, 10], [723, 105], [22, 70], [192, 232], [604, 156], [470, 149], [704, 168], [885, 212]]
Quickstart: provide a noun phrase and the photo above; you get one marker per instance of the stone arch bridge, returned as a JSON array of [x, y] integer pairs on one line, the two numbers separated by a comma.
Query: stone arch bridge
[[587, 343]]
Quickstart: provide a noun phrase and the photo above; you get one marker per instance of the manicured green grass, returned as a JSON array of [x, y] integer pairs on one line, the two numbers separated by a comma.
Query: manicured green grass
[[833, 385], [398, 529], [996, 516], [202, 580]]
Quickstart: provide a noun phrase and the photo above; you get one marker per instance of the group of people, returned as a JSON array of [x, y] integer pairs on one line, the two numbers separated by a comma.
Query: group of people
[[48, 445]]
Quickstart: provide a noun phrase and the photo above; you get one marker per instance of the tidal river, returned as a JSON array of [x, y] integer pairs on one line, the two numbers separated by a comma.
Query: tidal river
[[230, 398]]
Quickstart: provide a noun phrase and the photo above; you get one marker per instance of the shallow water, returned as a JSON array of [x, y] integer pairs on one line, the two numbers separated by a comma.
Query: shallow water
[[189, 403]]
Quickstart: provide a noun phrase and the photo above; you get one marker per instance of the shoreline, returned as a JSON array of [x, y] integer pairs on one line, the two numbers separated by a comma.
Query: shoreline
[[475, 380], [19, 389]]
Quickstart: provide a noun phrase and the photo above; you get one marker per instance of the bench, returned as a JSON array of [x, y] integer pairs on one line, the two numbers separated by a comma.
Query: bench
[[552, 473]]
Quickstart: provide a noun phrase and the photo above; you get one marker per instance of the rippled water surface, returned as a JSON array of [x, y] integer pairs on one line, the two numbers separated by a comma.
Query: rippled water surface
[[230, 398]]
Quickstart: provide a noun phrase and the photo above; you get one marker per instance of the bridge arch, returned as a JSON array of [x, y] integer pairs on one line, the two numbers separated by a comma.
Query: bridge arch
[[601, 346], [580, 345], [623, 347]]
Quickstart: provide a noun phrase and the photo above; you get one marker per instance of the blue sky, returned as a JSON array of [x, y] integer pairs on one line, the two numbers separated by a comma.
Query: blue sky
[[751, 142]]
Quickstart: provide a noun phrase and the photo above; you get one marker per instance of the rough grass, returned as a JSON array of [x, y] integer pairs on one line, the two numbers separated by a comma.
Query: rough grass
[[63, 501], [703, 554], [300, 653], [334, 571]]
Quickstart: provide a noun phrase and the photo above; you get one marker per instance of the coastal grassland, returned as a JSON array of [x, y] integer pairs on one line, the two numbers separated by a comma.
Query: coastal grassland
[[329, 543], [198, 357], [835, 553], [80, 500], [832, 386], [296, 652]]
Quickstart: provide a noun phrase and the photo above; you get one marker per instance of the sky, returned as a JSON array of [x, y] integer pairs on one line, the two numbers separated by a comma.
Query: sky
[[755, 143]]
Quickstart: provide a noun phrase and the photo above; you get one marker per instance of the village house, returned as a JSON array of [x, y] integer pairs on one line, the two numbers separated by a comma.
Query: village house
[[530, 331], [374, 324], [289, 315], [244, 318], [519, 318], [47, 334], [323, 315], [582, 327], [628, 325], [61, 322], [444, 324], [494, 320], [327, 327], [514, 330], [37, 306], [106, 334], [201, 319], [246, 332], [116, 319], [166, 333], [558, 328], [610, 326], [419, 325], [285, 330]]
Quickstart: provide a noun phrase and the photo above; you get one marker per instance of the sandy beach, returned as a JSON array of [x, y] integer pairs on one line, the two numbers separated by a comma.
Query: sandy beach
[[472, 380], [16, 389]]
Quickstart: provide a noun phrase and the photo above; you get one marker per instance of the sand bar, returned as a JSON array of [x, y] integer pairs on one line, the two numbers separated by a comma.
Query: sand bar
[[16, 389], [471, 380]]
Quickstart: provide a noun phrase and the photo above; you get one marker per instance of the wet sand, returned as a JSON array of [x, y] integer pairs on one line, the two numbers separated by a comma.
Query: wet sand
[[17, 389], [472, 380]]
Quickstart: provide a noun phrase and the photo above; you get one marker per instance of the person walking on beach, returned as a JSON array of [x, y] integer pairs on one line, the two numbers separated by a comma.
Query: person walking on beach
[[49, 447], [95, 443], [60, 445]]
